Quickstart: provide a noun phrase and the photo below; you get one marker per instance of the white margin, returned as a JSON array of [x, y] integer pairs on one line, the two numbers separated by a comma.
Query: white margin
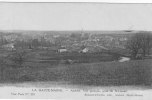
[[102, 1]]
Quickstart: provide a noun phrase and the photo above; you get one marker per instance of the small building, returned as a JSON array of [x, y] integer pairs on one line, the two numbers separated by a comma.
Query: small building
[[62, 50], [85, 50]]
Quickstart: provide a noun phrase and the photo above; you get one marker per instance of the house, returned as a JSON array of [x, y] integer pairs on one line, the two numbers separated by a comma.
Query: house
[[85, 50], [62, 50]]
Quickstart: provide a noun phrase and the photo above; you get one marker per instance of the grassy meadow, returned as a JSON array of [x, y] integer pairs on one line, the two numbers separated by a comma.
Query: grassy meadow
[[113, 73]]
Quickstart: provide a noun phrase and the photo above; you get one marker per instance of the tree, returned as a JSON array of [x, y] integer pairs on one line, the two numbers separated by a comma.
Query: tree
[[35, 43], [140, 42], [60, 40], [146, 42], [133, 45], [85, 36], [76, 36]]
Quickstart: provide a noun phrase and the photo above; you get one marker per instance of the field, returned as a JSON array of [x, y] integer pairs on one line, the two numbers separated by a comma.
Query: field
[[101, 73]]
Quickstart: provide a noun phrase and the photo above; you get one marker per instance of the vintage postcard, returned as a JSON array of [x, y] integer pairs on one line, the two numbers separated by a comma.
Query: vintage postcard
[[75, 51]]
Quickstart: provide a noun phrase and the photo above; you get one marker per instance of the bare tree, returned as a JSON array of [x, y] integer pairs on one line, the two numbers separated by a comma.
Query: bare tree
[[146, 42], [140, 42], [133, 46]]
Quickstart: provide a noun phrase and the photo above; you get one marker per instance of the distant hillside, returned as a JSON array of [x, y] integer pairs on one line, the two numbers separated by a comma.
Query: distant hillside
[[74, 31]]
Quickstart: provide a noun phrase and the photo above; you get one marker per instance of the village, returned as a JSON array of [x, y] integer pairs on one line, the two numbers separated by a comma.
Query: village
[[74, 42], [67, 44]]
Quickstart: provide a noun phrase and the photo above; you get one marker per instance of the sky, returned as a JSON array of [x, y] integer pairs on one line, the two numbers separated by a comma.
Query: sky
[[75, 16]]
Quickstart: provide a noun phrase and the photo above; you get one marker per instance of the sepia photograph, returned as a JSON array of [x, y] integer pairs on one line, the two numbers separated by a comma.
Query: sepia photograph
[[94, 48]]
